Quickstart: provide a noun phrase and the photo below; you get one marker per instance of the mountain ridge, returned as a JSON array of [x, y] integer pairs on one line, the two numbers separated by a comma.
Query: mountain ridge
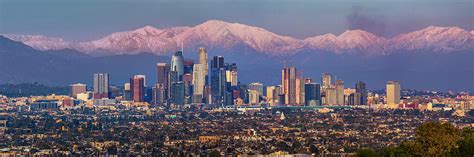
[[221, 35]]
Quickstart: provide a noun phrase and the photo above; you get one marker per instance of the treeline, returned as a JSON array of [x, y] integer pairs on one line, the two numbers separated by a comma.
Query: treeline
[[431, 139], [29, 89]]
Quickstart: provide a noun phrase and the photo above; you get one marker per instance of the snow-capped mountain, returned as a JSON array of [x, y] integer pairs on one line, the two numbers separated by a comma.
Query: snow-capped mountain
[[349, 41], [219, 34], [40, 42], [440, 39], [222, 35]]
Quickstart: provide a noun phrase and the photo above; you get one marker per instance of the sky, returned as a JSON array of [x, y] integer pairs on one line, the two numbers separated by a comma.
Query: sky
[[78, 20]]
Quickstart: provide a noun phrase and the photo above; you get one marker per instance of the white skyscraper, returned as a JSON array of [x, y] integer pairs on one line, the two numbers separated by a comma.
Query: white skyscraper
[[199, 79]]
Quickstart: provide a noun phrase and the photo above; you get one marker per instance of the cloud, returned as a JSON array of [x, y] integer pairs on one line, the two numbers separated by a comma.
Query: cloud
[[364, 19]]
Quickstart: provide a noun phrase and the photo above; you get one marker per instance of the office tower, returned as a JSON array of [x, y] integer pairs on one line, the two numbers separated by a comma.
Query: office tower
[[393, 93], [354, 99], [177, 64], [330, 96], [199, 81], [326, 80], [288, 81], [114, 92], [203, 60], [362, 90], [253, 97], [218, 82], [299, 91], [159, 94], [244, 94], [101, 85], [76, 89], [188, 87], [217, 62], [144, 79], [163, 73], [188, 66], [312, 94], [178, 93], [270, 94], [257, 87], [137, 90], [126, 92], [339, 92], [231, 74], [276, 95]]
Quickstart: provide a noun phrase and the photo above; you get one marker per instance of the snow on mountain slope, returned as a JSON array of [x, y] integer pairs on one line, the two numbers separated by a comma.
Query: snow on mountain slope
[[40, 42], [349, 41], [234, 36], [225, 35], [442, 39]]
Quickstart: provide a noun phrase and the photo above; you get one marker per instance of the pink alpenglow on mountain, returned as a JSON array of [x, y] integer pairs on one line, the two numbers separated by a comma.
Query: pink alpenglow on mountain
[[226, 36]]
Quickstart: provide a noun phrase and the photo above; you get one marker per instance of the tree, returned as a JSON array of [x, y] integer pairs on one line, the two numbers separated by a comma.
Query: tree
[[365, 153], [434, 139]]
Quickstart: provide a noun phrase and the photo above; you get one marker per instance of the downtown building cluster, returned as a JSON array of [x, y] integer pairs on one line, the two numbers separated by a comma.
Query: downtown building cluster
[[187, 82]]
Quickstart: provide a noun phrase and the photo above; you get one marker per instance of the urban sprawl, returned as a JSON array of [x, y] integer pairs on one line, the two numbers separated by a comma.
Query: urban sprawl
[[199, 108]]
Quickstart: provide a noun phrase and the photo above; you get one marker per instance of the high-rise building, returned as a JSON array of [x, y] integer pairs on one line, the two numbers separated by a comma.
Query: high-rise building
[[276, 95], [76, 89], [312, 94], [218, 82], [126, 92], [354, 99], [257, 86], [188, 66], [330, 96], [137, 90], [339, 92], [178, 93], [199, 81], [270, 94], [159, 94], [203, 60], [163, 73], [253, 97], [362, 90], [101, 85], [393, 93], [231, 74], [188, 87], [326, 80], [289, 84], [177, 64]]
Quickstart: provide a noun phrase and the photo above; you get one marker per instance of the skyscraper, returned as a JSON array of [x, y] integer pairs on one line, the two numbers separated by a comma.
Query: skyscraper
[[270, 94], [137, 90], [163, 73], [312, 94], [393, 93], [218, 82], [178, 93], [326, 80], [339, 92], [199, 81], [362, 90], [101, 85], [126, 92], [257, 86], [159, 94], [203, 60], [289, 85], [177, 64], [76, 89], [253, 97]]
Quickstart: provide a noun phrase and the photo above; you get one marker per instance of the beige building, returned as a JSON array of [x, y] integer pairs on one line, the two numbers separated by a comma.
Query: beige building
[[393, 93]]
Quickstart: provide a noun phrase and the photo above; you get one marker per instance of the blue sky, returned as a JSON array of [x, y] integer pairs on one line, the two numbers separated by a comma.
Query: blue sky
[[91, 19]]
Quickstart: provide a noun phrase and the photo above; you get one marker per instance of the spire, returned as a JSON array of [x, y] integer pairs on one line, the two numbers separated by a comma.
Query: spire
[[182, 46]]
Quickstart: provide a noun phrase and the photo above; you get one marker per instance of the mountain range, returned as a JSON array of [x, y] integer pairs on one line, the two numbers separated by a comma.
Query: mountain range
[[434, 58], [229, 37]]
